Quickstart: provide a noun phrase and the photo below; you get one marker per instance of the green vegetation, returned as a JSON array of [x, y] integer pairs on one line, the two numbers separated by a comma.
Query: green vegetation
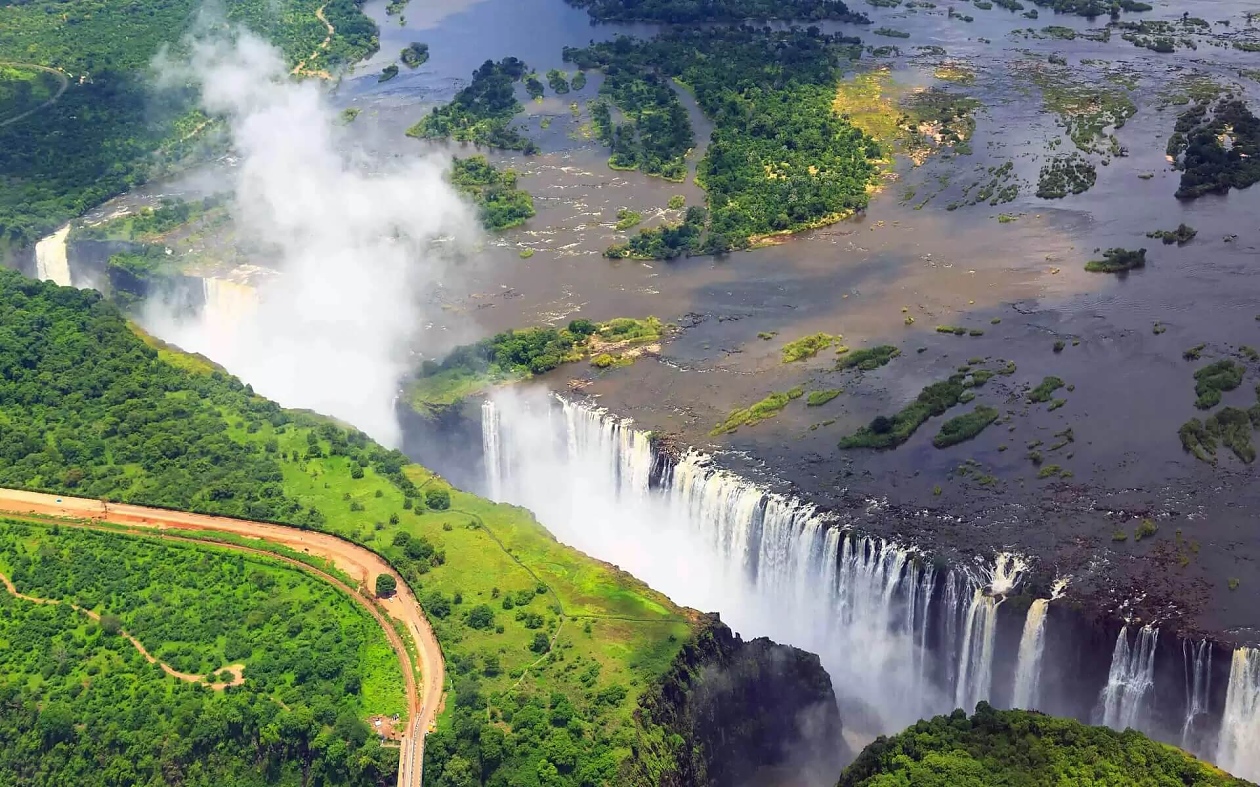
[[689, 11], [1045, 390], [890, 32], [579, 80], [964, 427], [1118, 261], [552, 683], [1180, 236], [677, 202], [415, 54], [954, 329], [1199, 146], [808, 346], [819, 398], [779, 159], [558, 81], [1193, 353], [1213, 379], [627, 218], [107, 133], [890, 432], [1063, 175], [82, 704], [1024, 748], [348, 115], [868, 359], [756, 413], [501, 204], [656, 134], [1145, 529], [482, 112], [516, 355], [666, 242], [388, 72]]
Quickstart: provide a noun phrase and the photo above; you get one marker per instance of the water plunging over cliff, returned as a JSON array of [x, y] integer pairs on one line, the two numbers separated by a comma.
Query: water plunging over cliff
[[772, 565], [1131, 678], [51, 263], [1197, 662], [1238, 748], [901, 636]]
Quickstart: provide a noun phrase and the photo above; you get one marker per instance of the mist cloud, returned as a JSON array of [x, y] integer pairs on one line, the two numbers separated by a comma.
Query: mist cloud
[[355, 249]]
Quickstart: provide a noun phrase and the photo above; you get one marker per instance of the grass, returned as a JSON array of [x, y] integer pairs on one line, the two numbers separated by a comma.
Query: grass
[[808, 346], [890, 432], [1044, 391], [627, 218], [1145, 529], [1213, 379], [964, 427], [819, 398], [954, 329], [868, 359], [751, 416], [1118, 261]]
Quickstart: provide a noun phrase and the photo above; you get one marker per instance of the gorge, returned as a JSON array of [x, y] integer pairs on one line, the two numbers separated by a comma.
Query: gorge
[[903, 633]]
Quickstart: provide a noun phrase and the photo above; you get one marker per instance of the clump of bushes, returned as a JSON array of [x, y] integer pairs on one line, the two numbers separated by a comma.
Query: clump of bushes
[[1045, 390], [808, 346], [819, 398], [1211, 380], [964, 427], [1180, 236], [1118, 261], [868, 359]]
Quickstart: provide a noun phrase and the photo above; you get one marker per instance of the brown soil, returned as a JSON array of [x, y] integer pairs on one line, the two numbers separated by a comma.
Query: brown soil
[[300, 69]]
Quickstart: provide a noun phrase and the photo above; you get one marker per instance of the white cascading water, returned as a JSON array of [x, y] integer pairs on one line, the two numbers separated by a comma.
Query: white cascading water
[[1238, 746], [1130, 679], [975, 670], [227, 302], [772, 565], [51, 262], [1197, 661], [1032, 644]]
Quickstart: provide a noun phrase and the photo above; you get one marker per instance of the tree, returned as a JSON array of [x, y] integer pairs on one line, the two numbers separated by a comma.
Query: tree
[[540, 644], [111, 624], [437, 499], [386, 585], [481, 617]]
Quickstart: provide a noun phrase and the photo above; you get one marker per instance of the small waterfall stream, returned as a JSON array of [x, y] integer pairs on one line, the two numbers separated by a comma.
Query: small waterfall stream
[[1131, 677], [901, 637], [1197, 662]]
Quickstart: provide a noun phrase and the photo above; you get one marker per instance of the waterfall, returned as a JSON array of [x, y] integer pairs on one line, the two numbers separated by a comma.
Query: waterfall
[[771, 564], [1131, 677], [51, 263], [1032, 644], [975, 665], [1238, 747], [1028, 665], [226, 302], [490, 450], [1197, 662]]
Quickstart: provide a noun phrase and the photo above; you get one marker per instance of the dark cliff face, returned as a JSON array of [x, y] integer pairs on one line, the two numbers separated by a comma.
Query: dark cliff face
[[728, 713]]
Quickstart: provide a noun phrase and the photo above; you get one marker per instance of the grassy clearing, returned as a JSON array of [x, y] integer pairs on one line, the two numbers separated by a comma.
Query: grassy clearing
[[1215, 378], [755, 414], [808, 346], [964, 427], [1045, 390], [868, 359]]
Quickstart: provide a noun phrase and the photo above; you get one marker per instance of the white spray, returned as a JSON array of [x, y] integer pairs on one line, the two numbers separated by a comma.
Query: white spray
[[1031, 646], [355, 250]]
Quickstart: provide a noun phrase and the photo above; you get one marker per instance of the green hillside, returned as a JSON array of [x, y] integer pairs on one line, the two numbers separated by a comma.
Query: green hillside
[[74, 694], [109, 130], [548, 651], [1025, 749]]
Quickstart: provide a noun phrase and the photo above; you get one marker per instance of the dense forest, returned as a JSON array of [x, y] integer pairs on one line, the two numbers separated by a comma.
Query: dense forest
[[548, 651], [1207, 165], [656, 134], [109, 130], [79, 704], [501, 204], [691, 11], [1024, 749], [482, 112], [780, 159]]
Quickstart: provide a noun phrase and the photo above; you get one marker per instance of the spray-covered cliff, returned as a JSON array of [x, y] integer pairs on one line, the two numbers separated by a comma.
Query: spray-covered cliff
[[727, 709]]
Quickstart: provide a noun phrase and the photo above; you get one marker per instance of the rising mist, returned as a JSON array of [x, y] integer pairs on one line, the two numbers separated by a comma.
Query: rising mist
[[356, 250]]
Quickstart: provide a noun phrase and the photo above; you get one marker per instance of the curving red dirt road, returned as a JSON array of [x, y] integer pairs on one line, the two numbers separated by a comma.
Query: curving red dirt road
[[357, 562]]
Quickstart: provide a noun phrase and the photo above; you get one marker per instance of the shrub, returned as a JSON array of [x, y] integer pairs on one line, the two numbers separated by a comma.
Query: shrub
[[868, 359], [1214, 378], [964, 427], [386, 585], [437, 499], [1044, 391]]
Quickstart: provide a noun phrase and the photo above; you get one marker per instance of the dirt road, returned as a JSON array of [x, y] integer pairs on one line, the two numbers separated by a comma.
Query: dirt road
[[62, 79], [300, 69], [357, 562]]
